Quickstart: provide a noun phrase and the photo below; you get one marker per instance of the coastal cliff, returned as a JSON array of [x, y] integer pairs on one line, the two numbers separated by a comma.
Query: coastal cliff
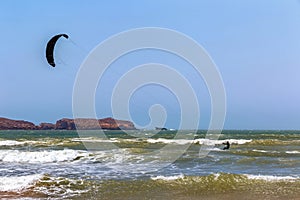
[[92, 124], [6, 124], [68, 124]]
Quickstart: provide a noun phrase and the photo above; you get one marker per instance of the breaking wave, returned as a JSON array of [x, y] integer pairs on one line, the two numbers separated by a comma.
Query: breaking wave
[[66, 155]]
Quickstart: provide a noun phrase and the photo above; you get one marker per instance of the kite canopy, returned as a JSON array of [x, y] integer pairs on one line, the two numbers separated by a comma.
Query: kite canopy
[[50, 48]]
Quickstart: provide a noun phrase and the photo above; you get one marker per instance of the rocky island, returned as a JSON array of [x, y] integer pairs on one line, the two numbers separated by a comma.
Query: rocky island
[[68, 124]]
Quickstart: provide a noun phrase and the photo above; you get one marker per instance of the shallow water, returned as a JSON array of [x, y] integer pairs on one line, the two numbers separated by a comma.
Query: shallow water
[[137, 165]]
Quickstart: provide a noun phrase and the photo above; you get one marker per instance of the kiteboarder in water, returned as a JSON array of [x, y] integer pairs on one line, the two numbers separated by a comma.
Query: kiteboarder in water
[[227, 145]]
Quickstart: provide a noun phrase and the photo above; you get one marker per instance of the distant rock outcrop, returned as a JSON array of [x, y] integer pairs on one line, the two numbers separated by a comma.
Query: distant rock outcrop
[[65, 124], [93, 124], [46, 126], [69, 124], [113, 124], [7, 124]]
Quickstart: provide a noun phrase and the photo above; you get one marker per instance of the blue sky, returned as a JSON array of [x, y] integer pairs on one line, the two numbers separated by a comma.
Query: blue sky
[[255, 44]]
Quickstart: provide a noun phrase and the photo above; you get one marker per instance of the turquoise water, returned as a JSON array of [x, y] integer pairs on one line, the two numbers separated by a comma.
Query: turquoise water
[[58, 164]]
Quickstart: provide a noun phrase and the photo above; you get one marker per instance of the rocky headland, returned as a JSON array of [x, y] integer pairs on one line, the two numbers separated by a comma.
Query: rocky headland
[[68, 124], [6, 124]]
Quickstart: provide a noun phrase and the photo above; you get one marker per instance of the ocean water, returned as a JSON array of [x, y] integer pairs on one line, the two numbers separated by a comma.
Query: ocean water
[[148, 165]]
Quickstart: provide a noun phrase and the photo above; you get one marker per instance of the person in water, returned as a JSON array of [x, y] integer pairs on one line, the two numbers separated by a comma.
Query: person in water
[[227, 145]]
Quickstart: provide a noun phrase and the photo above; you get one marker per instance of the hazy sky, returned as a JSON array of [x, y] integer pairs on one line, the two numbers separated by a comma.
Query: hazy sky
[[254, 43]]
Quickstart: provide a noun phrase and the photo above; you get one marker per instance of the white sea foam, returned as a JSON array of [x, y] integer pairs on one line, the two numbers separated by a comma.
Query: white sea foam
[[211, 148], [17, 143], [214, 142], [201, 141], [264, 151], [91, 139], [293, 152], [51, 186], [168, 141], [10, 143], [115, 156], [261, 151], [17, 183], [41, 156], [168, 178], [272, 178]]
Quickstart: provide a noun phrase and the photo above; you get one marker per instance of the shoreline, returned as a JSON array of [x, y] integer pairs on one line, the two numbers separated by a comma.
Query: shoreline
[[211, 187]]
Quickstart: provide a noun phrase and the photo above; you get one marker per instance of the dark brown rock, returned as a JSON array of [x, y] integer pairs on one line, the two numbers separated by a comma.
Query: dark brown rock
[[87, 124], [113, 124], [7, 124], [69, 124], [46, 126], [65, 124], [93, 124]]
